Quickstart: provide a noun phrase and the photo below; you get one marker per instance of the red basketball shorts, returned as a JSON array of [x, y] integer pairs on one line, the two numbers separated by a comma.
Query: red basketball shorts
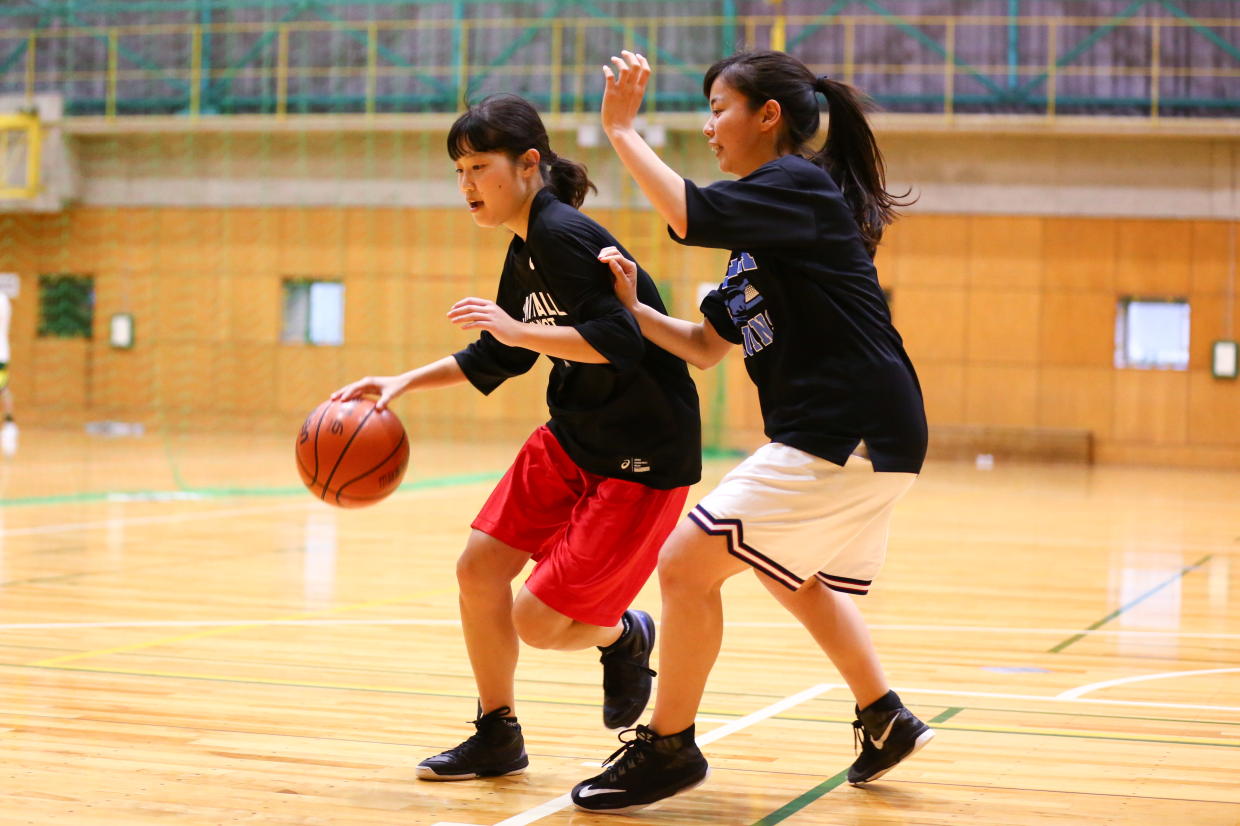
[[594, 540]]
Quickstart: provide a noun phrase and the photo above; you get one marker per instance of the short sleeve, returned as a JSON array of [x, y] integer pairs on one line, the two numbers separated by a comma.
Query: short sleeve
[[568, 258], [761, 210], [715, 310], [488, 362]]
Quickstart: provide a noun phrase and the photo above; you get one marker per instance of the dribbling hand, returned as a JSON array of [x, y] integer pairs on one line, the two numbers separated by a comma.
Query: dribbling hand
[[385, 387]]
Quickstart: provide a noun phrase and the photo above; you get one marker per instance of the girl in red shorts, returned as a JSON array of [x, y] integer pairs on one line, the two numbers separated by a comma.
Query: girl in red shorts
[[594, 492]]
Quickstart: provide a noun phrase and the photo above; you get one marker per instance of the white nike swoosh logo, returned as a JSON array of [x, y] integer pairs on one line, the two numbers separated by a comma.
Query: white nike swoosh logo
[[880, 741], [593, 792]]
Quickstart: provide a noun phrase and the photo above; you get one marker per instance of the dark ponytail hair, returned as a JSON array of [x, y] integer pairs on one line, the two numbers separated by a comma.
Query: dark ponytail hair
[[510, 124], [850, 155]]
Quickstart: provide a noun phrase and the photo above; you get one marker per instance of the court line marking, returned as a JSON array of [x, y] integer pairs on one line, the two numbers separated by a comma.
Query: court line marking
[[1187, 569], [1076, 693], [1000, 695], [43, 626], [803, 800], [564, 801], [228, 629]]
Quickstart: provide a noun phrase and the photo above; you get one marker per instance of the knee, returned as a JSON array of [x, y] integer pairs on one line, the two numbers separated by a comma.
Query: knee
[[538, 628], [475, 572]]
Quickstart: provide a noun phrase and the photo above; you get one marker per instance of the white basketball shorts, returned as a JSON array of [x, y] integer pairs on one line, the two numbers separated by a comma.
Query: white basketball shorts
[[794, 516]]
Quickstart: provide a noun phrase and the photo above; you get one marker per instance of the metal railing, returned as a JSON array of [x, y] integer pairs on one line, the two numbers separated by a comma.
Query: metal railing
[[1155, 66]]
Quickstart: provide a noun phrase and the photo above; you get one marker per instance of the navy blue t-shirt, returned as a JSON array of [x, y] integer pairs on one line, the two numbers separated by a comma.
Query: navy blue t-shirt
[[801, 296], [635, 418]]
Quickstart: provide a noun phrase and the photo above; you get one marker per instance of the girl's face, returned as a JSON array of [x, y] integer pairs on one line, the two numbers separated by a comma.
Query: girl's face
[[741, 137], [497, 188]]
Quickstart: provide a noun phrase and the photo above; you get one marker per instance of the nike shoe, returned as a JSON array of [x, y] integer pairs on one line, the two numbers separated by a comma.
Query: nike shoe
[[494, 750], [885, 737], [627, 677], [645, 770]]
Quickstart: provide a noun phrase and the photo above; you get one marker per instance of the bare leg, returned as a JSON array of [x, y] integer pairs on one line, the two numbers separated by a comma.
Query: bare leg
[[484, 573], [836, 625], [693, 566], [541, 626]]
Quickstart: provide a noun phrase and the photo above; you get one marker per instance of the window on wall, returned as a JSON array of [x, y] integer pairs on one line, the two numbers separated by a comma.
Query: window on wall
[[66, 305], [1152, 334], [313, 312]]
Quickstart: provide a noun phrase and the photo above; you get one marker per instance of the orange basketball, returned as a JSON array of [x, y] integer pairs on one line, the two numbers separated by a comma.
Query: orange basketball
[[351, 455]]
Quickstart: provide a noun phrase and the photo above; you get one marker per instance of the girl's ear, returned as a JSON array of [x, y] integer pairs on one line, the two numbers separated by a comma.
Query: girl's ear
[[771, 114], [530, 159]]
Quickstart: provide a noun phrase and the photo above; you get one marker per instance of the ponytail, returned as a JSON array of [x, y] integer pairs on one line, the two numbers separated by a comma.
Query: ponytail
[[567, 179], [852, 158], [510, 124], [850, 155]]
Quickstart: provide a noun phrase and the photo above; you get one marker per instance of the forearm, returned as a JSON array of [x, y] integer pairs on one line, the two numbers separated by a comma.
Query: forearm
[[442, 373], [559, 342], [664, 188], [695, 343]]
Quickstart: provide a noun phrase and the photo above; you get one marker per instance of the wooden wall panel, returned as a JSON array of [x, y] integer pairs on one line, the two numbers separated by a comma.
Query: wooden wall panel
[[932, 322], [1078, 254], [1213, 410], [1151, 406], [1153, 257], [1212, 251], [1010, 320], [1077, 328], [931, 250], [1005, 252], [942, 385], [1006, 396], [1077, 398], [1003, 326]]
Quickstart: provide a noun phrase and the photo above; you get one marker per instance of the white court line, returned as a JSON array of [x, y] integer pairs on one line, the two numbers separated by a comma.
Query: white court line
[[18, 626], [1075, 693], [564, 801], [999, 695]]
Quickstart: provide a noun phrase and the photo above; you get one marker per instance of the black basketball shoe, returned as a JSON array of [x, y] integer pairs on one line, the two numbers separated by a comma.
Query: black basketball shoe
[[886, 736], [627, 676], [495, 749], [645, 770]]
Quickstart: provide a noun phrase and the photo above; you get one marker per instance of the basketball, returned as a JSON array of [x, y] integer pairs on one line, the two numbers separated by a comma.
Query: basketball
[[351, 455]]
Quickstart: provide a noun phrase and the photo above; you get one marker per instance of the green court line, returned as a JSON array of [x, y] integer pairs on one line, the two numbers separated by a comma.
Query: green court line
[[789, 809], [227, 492], [1132, 604], [946, 714]]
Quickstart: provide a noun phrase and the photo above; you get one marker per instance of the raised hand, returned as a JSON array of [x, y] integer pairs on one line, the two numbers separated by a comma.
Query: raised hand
[[623, 90]]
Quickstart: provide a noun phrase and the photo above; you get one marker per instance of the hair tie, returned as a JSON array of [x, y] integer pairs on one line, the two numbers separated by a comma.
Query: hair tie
[[822, 79]]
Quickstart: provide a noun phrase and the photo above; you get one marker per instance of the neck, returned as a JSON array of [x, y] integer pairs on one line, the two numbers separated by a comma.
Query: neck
[[519, 223], [759, 159]]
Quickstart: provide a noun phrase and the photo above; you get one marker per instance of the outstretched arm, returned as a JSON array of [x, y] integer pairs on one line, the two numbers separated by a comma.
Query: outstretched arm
[[697, 344], [622, 98], [442, 373]]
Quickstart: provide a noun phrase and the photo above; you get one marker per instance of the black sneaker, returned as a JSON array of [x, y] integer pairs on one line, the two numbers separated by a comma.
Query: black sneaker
[[495, 749], [645, 770], [885, 737], [627, 676]]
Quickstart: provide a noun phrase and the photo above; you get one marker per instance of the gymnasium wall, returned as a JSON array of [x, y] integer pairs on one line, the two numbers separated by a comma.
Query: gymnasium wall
[[1004, 280]]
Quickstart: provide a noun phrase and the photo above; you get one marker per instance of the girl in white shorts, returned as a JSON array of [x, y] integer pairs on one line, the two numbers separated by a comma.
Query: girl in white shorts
[[801, 298]]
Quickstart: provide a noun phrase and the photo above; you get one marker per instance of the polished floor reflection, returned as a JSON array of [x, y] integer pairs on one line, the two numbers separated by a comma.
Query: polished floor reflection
[[183, 654]]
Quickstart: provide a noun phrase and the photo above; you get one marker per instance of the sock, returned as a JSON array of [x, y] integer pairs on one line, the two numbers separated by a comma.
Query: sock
[[888, 702]]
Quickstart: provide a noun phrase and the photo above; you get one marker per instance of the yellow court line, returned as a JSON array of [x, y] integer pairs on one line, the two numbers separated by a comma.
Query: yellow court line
[[215, 632]]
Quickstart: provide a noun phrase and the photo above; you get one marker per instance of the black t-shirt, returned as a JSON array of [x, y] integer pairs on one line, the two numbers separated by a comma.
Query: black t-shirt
[[801, 296], [635, 418]]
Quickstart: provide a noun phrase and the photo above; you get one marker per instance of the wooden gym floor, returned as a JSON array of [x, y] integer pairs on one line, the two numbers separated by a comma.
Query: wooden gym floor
[[252, 656]]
